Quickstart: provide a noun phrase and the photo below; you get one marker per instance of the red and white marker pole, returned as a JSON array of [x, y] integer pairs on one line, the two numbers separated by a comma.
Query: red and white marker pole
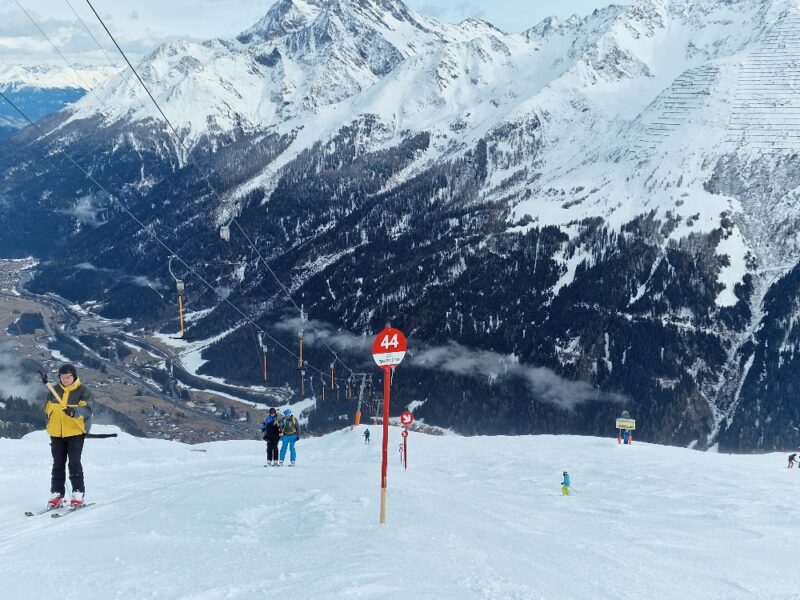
[[388, 350]]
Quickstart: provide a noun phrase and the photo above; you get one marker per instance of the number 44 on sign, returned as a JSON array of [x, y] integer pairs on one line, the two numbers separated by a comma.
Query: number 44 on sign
[[389, 348]]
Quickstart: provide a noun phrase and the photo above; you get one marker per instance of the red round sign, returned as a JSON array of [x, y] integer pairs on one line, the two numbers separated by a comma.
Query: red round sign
[[406, 418], [404, 433], [389, 347]]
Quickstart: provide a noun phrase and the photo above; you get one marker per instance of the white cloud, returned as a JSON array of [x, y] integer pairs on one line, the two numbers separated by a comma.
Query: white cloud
[[86, 211], [140, 280], [544, 384], [16, 382], [143, 281]]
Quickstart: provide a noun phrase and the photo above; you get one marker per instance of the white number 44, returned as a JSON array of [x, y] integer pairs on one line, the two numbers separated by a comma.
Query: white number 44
[[387, 343]]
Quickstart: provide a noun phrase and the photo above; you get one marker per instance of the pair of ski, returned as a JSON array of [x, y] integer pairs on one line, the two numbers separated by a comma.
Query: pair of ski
[[54, 512]]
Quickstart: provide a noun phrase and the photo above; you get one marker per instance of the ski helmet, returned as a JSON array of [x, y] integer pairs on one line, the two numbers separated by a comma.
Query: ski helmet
[[68, 368], [287, 412], [565, 473]]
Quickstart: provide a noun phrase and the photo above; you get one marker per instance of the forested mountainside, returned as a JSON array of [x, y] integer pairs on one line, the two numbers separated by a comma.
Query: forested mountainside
[[595, 215]]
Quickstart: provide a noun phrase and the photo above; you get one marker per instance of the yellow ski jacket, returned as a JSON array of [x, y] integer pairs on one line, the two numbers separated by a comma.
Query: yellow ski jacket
[[74, 400]]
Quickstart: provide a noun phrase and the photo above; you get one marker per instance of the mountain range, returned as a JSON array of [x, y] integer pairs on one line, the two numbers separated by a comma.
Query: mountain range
[[44, 90], [596, 214]]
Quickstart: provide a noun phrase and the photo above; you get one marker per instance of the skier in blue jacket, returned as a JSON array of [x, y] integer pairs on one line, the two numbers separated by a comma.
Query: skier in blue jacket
[[565, 485], [290, 433]]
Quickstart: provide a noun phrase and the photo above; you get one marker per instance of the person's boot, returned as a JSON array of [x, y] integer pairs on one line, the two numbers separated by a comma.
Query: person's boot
[[55, 501], [77, 500]]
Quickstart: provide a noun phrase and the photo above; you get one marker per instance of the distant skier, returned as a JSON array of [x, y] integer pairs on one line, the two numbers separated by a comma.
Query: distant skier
[[366, 436], [290, 432], [272, 434], [69, 418], [791, 460], [565, 483]]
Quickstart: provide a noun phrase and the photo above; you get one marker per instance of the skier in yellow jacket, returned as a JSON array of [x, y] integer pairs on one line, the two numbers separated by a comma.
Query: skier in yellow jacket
[[68, 421]]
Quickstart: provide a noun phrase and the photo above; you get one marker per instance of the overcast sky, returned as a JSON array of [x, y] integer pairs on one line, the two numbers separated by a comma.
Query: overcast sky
[[142, 25]]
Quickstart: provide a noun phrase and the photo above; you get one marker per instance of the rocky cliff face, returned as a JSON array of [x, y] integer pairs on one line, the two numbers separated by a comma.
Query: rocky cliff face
[[594, 215]]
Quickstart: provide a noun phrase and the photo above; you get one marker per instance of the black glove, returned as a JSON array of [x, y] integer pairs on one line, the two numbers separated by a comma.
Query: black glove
[[70, 412], [44, 377]]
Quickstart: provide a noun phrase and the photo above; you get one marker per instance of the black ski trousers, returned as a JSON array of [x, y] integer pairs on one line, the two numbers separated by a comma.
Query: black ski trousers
[[272, 449], [63, 449]]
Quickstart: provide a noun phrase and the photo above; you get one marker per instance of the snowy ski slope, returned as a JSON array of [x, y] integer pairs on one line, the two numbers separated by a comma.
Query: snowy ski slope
[[477, 517]]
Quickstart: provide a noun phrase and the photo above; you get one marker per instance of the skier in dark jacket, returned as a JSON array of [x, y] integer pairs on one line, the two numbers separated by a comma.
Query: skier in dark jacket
[[272, 434], [366, 436], [791, 460], [69, 418]]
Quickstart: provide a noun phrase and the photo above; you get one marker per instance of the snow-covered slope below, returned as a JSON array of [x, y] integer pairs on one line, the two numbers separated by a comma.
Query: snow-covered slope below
[[478, 517]]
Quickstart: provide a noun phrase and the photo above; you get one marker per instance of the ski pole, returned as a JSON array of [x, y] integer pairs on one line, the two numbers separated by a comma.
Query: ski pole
[[50, 387], [100, 436]]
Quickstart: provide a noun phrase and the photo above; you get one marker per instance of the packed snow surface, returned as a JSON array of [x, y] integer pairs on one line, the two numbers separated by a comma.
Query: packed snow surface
[[479, 517]]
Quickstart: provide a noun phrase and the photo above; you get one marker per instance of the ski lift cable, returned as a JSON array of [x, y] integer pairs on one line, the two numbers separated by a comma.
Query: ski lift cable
[[69, 64], [256, 336], [103, 50], [146, 89], [61, 54], [203, 172], [288, 295], [151, 233], [91, 35]]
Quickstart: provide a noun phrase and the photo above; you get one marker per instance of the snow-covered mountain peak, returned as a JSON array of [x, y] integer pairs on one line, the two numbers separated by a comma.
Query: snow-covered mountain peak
[[82, 77], [290, 16], [307, 57], [479, 27], [284, 17], [552, 26]]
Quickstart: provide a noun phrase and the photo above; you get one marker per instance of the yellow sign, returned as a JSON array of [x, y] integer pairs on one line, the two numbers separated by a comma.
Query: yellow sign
[[626, 424]]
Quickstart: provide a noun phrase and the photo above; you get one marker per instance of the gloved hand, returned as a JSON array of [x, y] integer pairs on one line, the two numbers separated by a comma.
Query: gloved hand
[[70, 411], [44, 377]]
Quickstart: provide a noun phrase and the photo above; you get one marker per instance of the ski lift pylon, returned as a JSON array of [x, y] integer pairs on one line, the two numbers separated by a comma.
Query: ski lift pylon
[[180, 287]]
